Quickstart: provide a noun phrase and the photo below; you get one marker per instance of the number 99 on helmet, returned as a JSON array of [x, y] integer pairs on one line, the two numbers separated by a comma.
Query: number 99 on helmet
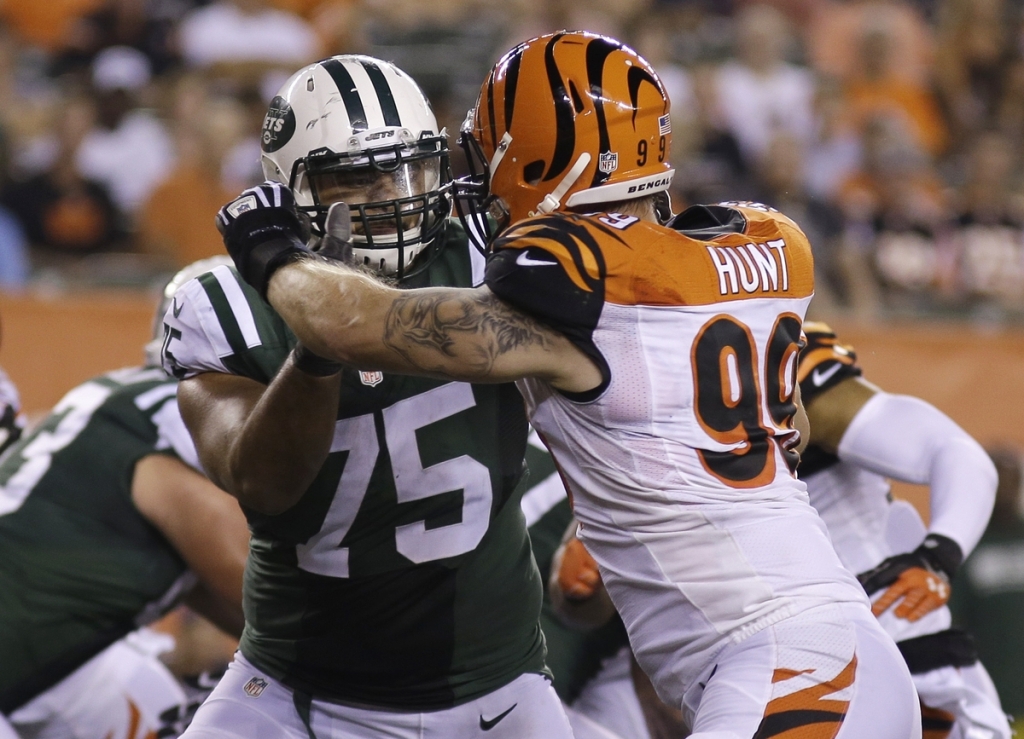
[[359, 130]]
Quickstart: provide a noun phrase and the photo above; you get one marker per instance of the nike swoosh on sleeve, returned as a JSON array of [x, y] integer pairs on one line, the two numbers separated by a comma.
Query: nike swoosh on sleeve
[[819, 378], [523, 260]]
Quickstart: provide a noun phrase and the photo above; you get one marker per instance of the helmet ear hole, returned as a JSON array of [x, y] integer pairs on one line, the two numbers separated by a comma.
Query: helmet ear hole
[[533, 171]]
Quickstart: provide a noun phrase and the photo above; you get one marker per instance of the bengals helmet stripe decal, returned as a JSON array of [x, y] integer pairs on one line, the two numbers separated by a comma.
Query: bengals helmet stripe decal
[[387, 100], [511, 80], [490, 111], [598, 52], [349, 93], [636, 77], [565, 117]]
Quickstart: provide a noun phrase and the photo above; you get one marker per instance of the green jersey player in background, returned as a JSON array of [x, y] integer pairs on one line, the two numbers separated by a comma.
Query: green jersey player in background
[[105, 524], [391, 590]]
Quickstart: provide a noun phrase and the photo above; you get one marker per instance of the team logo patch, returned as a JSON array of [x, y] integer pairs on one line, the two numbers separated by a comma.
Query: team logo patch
[[608, 162], [664, 125], [242, 205], [371, 379], [255, 687], [278, 126]]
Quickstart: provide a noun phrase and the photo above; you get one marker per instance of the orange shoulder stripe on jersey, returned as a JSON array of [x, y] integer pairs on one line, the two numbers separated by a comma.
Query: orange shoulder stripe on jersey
[[806, 714], [647, 264], [815, 357]]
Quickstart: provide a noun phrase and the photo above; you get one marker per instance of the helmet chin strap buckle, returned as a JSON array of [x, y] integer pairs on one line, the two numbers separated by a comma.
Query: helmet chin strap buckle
[[499, 153], [553, 200]]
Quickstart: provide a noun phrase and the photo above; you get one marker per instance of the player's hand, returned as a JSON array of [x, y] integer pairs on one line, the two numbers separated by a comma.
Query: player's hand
[[578, 576], [336, 243], [918, 580], [261, 232]]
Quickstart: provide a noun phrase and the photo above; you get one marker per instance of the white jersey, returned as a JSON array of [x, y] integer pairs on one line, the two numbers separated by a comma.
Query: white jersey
[[680, 464], [867, 527]]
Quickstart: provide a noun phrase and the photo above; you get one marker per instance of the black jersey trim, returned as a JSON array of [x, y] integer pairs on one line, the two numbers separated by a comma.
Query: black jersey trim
[[949, 648], [707, 222], [349, 93], [384, 95]]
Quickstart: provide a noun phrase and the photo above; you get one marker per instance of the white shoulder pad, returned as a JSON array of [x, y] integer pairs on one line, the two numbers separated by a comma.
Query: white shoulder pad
[[194, 337]]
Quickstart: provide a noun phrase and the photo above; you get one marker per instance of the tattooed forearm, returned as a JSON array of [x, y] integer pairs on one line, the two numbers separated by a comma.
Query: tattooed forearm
[[474, 329]]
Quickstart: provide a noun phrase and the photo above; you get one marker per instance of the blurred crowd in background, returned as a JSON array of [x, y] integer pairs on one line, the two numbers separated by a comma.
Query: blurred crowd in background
[[891, 130]]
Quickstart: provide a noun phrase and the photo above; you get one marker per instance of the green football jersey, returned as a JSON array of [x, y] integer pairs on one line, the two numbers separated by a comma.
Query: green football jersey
[[79, 566], [403, 577], [573, 656]]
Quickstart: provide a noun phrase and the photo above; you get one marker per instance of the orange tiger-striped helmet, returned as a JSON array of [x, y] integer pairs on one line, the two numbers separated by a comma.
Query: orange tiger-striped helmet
[[565, 120]]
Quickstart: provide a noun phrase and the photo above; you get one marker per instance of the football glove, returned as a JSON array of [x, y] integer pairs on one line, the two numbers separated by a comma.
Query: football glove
[[262, 232], [919, 578], [578, 576]]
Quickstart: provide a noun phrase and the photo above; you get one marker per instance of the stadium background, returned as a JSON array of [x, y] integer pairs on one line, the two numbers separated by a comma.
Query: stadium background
[[890, 129]]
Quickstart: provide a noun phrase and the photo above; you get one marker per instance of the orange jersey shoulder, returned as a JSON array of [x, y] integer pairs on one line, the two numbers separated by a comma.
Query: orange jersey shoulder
[[643, 263]]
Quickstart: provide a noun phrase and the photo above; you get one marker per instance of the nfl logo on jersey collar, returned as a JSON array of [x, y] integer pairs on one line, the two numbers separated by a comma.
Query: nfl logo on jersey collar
[[255, 687], [371, 379]]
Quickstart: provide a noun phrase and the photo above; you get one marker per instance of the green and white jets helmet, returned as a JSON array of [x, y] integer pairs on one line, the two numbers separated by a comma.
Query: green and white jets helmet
[[154, 346], [358, 130]]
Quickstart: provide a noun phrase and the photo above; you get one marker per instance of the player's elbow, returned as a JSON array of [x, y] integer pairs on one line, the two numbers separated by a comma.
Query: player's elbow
[[259, 489], [970, 455], [263, 498]]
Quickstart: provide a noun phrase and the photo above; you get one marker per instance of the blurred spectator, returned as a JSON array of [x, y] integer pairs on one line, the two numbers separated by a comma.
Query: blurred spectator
[[146, 25], [129, 150], [989, 237], [46, 23], [64, 214], [760, 94], [834, 152], [14, 260], [988, 593], [895, 215], [974, 58], [245, 39], [837, 27], [780, 184], [877, 88], [196, 186], [709, 164]]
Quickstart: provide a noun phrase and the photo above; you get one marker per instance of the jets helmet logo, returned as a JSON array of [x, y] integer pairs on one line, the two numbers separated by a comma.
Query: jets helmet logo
[[278, 126]]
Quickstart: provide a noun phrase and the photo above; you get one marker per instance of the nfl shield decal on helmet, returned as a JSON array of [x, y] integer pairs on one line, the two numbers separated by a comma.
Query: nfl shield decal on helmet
[[371, 378], [255, 687], [608, 162]]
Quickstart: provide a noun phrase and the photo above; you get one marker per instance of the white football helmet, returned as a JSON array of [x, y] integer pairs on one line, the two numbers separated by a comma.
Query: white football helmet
[[358, 130], [154, 346]]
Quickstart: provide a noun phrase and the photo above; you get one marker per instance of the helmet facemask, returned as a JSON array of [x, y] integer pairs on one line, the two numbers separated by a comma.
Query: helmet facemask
[[483, 214], [398, 197]]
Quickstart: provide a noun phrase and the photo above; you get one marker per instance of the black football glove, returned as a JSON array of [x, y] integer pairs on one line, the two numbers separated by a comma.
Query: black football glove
[[262, 232], [919, 578]]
